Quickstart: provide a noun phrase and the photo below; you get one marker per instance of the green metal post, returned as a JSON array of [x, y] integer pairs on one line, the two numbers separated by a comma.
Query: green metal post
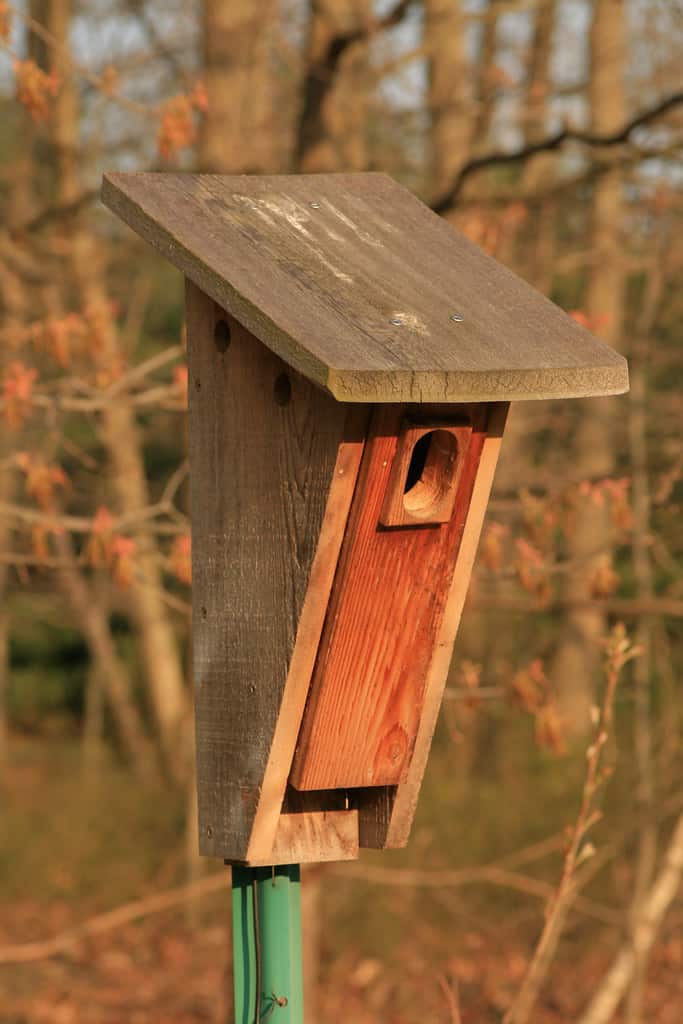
[[266, 943]]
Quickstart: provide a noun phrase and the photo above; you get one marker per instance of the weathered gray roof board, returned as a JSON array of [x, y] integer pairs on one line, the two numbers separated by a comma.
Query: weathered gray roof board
[[359, 286]]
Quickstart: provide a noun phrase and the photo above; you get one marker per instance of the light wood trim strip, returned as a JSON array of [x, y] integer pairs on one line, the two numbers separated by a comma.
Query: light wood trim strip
[[307, 639]]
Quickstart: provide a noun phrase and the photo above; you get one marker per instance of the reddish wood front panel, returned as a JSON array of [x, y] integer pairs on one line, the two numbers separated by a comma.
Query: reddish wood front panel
[[386, 608]]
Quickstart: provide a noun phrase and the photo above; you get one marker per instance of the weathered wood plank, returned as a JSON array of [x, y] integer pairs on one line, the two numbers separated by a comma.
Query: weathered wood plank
[[360, 287], [385, 614], [313, 837], [264, 444]]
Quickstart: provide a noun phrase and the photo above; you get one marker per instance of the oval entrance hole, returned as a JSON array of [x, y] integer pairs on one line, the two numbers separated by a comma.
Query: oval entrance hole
[[431, 472]]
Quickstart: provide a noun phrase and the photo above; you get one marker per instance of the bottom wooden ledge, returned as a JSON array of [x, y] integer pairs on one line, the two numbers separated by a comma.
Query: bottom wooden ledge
[[305, 837]]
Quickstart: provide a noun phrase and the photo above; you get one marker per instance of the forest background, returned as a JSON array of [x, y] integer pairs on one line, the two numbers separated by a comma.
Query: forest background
[[542, 880]]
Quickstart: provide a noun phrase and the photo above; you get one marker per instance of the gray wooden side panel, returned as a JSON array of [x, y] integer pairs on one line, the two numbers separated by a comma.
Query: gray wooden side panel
[[260, 474], [355, 283]]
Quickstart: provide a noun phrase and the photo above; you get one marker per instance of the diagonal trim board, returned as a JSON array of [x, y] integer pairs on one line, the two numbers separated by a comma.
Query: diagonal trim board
[[361, 288]]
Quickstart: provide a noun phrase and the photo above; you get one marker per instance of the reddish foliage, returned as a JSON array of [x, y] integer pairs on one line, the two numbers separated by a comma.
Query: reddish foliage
[[181, 559], [17, 392], [109, 550], [604, 581], [123, 551], [35, 88], [530, 689], [612, 490], [5, 22], [57, 336], [593, 322], [177, 128], [99, 551], [531, 570], [42, 479], [180, 382]]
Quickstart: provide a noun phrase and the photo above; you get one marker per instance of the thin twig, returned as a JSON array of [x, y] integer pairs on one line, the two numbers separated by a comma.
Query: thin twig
[[619, 651], [612, 989], [28, 952]]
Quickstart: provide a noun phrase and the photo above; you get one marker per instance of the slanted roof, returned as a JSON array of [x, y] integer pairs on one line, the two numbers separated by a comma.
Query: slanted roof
[[359, 286]]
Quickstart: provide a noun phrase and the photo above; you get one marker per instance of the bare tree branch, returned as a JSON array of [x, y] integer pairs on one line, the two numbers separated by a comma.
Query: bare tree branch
[[499, 158]]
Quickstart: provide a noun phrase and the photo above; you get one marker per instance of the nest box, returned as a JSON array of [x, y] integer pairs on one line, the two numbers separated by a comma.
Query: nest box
[[351, 362]]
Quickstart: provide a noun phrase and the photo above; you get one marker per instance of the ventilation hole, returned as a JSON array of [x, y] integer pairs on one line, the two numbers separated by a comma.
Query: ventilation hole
[[430, 473], [221, 335], [282, 389]]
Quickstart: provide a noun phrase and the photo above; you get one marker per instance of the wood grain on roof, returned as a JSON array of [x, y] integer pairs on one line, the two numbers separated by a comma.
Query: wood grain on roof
[[360, 287]]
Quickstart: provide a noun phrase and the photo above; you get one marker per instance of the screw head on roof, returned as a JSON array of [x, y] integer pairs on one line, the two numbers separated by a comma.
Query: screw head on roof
[[456, 318], [314, 206], [396, 321]]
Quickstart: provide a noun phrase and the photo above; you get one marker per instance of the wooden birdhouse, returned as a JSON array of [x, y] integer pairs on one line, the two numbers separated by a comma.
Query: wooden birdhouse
[[351, 362]]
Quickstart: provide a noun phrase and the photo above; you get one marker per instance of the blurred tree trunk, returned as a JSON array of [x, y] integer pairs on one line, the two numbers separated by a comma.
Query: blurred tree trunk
[[534, 256], [332, 129], [353, 96], [119, 429], [486, 78], [315, 149], [540, 170], [578, 652], [644, 576], [237, 133], [114, 675], [450, 102]]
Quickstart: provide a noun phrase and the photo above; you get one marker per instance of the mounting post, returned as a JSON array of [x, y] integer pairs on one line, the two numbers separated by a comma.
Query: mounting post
[[267, 965]]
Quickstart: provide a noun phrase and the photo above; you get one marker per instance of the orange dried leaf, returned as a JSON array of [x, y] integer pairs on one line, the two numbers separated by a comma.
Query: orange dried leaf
[[17, 392], [531, 570], [529, 687], [5, 21], [549, 730], [42, 480], [199, 97], [123, 551], [181, 559], [99, 548], [180, 382], [604, 581], [103, 520], [35, 88], [176, 127]]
